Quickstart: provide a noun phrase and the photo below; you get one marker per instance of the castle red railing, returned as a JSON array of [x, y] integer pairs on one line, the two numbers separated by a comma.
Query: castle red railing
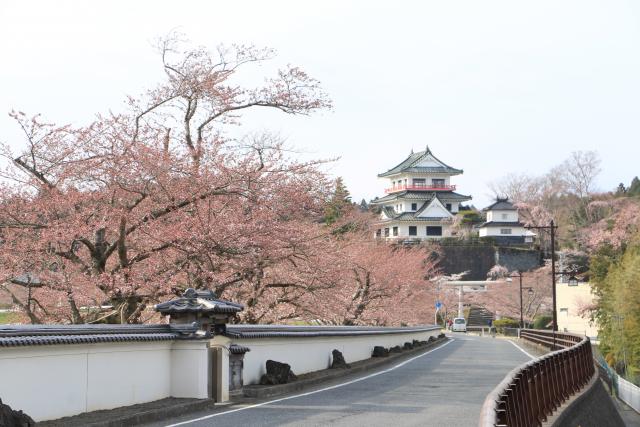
[[421, 187]]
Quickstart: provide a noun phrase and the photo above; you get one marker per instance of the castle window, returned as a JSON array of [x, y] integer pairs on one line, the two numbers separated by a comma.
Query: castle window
[[505, 231], [437, 182], [379, 232], [414, 206], [448, 206], [434, 230], [386, 232], [413, 230], [395, 231]]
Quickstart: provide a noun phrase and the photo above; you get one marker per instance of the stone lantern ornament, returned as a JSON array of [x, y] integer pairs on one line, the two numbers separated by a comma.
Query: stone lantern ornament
[[202, 308]]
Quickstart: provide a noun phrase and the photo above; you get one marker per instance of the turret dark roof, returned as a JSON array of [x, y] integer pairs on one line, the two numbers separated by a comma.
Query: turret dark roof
[[411, 162], [501, 205], [193, 301]]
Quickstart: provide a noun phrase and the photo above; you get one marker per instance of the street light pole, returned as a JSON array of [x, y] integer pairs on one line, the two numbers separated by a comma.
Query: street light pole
[[521, 318], [553, 276], [519, 276]]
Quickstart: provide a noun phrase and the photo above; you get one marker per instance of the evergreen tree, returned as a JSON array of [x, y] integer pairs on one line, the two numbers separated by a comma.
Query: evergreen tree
[[363, 205], [634, 188], [339, 202], [621, 190]]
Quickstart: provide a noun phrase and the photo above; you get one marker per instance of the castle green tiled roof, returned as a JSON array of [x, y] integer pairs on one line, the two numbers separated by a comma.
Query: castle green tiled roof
[[411, 216], [444, 196], [411, 164]]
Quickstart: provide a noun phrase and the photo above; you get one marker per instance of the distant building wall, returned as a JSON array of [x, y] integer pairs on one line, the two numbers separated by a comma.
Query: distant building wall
[[569, 300]]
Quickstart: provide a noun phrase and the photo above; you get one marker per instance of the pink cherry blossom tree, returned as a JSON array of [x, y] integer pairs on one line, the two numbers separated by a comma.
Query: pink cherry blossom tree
[[114, 215]]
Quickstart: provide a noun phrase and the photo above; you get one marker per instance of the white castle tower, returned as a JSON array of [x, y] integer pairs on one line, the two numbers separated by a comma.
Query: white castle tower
[[421, 200]]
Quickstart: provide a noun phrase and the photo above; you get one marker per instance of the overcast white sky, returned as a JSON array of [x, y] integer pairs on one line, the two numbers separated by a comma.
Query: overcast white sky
[[491, 86]]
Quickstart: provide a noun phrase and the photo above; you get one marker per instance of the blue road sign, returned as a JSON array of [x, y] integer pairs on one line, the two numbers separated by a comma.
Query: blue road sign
[[438, 305]]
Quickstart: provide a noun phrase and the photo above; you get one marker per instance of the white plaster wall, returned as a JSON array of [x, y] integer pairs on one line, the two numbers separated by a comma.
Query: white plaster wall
[[54, 381], [403, 230], [407, 205], [308, 354], [121, 374], [511, 216], [495, 231], [45, 382], [190, 370], [435, 209]]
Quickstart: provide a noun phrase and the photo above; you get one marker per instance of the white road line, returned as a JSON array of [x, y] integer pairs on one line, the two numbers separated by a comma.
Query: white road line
[[523, 350], [206, 417]]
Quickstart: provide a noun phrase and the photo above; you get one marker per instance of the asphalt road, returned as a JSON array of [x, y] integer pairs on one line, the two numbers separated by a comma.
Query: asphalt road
[[445, 387]]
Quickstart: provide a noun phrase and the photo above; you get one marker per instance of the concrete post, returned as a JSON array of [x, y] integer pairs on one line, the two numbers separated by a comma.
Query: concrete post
[[219, 360]]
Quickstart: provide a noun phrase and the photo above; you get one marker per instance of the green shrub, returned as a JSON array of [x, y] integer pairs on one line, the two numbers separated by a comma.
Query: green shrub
[[541, 322], [500, 324]]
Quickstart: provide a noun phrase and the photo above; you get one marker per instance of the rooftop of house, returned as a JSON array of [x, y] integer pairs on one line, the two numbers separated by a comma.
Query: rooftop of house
[[501, 204], [421, 162]]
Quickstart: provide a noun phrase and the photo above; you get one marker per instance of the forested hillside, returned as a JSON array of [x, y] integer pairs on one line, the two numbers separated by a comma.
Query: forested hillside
[[600, 231]]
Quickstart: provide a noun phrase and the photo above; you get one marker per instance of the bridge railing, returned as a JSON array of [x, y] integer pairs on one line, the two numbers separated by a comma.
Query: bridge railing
[[550, 339], [534, 390]]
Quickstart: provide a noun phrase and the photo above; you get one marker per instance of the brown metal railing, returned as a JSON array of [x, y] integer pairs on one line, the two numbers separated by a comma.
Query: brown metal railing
[[551, 340], [532, 391]]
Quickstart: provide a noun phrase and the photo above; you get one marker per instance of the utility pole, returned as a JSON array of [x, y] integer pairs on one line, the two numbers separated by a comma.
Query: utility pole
[[529, 288], [552, 228]]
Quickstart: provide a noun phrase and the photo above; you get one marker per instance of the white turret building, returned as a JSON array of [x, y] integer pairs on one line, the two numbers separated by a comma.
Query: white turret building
[[503, 224], [420, 200]]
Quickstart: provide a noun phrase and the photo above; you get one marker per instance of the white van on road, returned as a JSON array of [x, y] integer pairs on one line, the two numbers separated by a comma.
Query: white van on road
[[459, 325]]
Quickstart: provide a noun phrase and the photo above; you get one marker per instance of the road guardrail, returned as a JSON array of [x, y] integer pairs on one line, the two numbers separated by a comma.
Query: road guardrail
[[534, 390]]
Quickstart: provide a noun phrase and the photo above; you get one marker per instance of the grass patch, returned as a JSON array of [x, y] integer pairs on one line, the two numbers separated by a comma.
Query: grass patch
[[7, 317]]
